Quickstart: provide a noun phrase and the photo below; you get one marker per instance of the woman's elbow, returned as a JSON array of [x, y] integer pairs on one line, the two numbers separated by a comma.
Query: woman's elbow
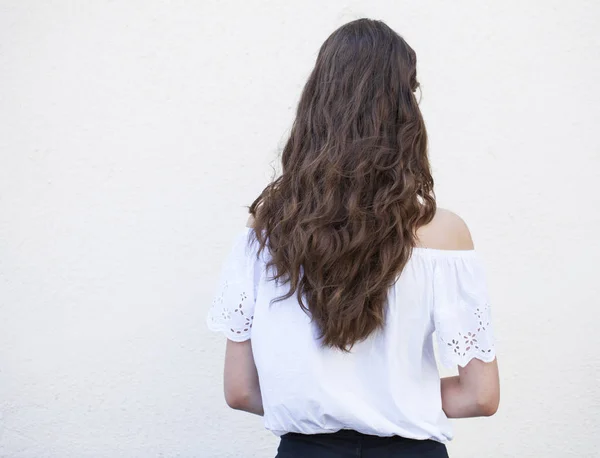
[[237, 398], [487, 405]]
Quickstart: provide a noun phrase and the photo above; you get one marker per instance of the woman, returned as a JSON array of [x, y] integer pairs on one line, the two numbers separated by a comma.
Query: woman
[[329, 299]]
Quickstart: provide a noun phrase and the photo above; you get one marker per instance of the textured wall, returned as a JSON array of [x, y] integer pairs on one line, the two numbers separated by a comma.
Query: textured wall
[[131, 135]]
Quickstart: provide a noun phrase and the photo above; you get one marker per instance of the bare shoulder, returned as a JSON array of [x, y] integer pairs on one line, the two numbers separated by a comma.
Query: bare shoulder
[[446, 231], [250, 222]]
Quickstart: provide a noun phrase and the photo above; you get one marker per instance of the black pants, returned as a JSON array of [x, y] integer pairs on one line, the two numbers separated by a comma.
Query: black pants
[[351, 444]]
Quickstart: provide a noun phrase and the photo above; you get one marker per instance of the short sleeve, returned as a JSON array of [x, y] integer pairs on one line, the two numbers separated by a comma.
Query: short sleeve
[[461, 308], [232, 308]]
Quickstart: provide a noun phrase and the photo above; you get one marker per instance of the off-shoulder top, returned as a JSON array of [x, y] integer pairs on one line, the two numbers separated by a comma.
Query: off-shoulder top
[[387, 384]]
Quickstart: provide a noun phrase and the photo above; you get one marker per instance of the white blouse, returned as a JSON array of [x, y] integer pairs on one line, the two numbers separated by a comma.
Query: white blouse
[[388, 384]]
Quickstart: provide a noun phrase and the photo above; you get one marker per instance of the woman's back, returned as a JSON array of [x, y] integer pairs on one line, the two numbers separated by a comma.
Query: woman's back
[[387, 384]]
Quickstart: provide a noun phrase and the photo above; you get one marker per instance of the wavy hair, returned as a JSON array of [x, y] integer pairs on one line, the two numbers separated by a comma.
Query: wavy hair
[[340, 221]]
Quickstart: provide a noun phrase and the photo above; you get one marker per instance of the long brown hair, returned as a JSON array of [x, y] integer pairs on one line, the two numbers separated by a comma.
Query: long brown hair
[[340, 221]]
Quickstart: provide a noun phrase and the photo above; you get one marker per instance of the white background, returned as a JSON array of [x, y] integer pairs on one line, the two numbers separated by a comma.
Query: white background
[[132, 134]]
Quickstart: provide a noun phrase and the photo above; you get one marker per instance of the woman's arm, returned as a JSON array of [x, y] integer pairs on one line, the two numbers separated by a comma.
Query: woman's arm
[[242, 391], [474, 392]]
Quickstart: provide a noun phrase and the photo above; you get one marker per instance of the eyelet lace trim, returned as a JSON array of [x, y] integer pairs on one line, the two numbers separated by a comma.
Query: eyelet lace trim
[[474, 342], [234, 323]]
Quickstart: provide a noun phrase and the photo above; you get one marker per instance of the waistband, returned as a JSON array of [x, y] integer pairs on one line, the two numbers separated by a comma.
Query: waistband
[[350, 435]]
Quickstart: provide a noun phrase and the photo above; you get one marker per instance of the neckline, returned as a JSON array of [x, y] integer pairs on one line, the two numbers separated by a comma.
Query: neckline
[[443, 252], [428, 251]]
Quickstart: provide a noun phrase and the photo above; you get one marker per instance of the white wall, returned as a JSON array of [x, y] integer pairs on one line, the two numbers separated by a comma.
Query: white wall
[[131, 135]]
